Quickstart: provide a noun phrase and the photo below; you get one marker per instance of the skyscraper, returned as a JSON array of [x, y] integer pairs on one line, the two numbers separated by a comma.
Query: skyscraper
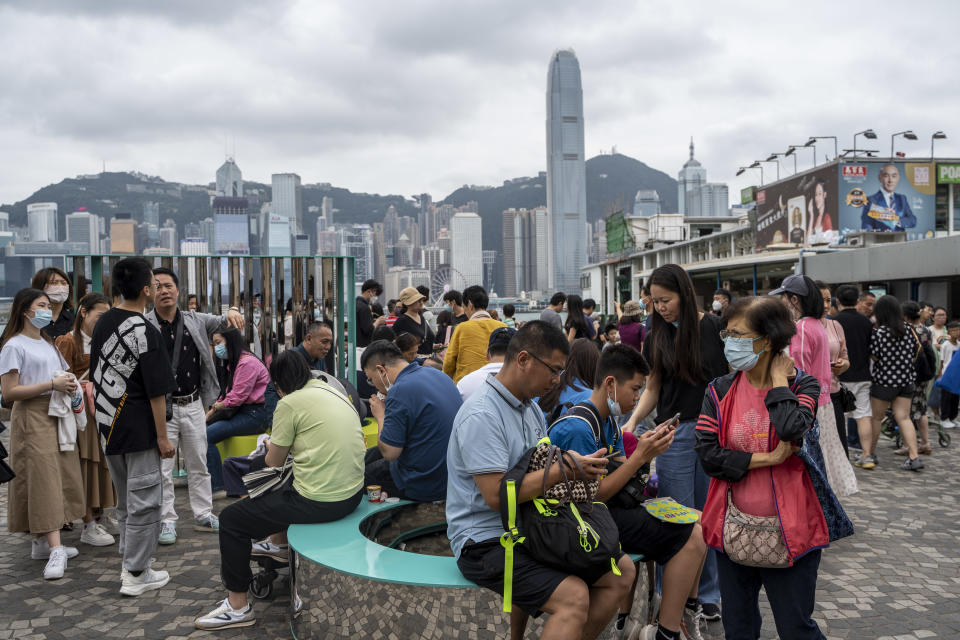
[[466, 249], [288, 199], [566, 172], [689, 181], [229, 180], [231, 226], [83, 226], [42, 221], [357, 241], [123, 234], [646, 203], [151, 213], [525, 265]]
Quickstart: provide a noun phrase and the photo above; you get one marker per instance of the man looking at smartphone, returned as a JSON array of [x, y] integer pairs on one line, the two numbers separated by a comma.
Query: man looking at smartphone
[[679, 547]]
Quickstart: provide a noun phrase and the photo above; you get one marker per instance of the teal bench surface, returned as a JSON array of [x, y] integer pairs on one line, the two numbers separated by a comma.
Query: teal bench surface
[[341, 547]]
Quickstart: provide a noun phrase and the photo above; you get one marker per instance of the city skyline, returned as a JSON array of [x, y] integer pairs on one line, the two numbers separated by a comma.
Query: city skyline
[[471, 105]]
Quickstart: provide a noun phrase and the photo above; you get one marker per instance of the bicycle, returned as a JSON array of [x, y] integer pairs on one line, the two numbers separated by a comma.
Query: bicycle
[[889, 429]]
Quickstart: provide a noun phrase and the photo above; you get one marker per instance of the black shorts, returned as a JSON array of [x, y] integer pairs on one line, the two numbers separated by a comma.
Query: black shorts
[[533, 582], [889, 394], [641, 532]]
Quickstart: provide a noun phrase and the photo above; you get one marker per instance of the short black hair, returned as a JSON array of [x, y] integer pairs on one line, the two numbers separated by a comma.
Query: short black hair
[[383, 332], [289, 371], [723, 292], [453, 295], [620, 361], [477, 296], [644, 290], [376, 309], [538, 338], [163, 271], [380, 352], [911, 310], [425, 292], [509, 310], [847, 295], [611, 326], [866, 293], [130, 275], [392, 305], [924, 304], [765, 315], [371, 284], [589, 303], [558, 298], [190, 296], [935, 309]]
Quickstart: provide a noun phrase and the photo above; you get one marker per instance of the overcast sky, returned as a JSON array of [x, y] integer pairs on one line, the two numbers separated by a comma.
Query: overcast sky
[[412, 96]]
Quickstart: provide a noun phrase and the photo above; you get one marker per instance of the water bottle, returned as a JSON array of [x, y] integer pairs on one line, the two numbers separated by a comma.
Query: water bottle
[[77, 400]]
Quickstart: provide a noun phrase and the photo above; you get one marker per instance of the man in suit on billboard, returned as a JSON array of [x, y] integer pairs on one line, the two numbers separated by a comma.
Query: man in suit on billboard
[[886, 210]]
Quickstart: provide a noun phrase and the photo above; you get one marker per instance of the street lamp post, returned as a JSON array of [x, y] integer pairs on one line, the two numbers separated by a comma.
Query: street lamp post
[[755, 165], [866, 133], [774, 156], [939, 135], [813, 140], [776, 162], [792, 151], [908, 134]]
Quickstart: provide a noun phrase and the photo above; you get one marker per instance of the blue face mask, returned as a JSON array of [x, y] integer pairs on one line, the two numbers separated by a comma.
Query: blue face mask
[[675, 323], [41, 318], [613, 406], [220, 351], [448, 308], [739, 353]]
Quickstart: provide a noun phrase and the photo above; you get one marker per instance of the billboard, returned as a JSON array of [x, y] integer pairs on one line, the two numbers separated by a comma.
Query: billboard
[[798, 212], [948, 174], [887, 196]]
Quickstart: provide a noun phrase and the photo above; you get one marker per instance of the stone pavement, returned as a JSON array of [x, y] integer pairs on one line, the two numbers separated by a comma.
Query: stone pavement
[[898, 578]]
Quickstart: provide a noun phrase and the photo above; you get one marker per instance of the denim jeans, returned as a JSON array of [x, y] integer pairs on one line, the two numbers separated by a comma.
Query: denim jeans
[[791, 592], [250, 420], [681, 477]]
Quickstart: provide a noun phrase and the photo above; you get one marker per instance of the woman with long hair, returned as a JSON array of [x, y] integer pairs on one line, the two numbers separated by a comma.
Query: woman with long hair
[[810, 350], [839, 362], [47, 490], [576, 381], [820, 229], [893, 349], [54, 282], [684, 349], [98, 488], [240, 411], [576, 324]]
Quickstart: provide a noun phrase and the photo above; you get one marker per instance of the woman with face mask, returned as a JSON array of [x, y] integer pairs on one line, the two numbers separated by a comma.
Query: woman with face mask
[[47, 490], [54, 282], [751, 425], [240, 411], [810, 350]]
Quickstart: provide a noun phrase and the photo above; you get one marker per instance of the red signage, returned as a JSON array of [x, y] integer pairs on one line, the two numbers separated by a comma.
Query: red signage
[[762, 197], [854, 171]]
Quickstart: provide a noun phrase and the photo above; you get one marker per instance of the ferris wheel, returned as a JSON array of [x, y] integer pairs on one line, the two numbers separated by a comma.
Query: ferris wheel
[[444, 279]]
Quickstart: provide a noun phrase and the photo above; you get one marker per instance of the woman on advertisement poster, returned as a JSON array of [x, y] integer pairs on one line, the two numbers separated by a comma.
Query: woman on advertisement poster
[[820, 229]]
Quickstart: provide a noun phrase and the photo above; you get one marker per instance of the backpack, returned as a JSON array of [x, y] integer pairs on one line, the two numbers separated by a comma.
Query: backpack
[[925, 360]]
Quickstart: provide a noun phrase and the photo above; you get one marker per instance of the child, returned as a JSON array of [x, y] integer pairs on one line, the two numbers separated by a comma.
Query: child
[[948, 400]]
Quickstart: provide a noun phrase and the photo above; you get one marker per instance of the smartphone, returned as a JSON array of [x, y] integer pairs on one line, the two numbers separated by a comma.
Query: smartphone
[[675, 420], [611, 456]]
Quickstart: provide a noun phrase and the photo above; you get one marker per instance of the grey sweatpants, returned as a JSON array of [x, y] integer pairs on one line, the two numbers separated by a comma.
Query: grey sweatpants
[[139, 499]]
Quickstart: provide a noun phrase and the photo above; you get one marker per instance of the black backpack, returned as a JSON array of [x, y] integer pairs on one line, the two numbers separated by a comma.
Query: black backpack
[[925, 360]]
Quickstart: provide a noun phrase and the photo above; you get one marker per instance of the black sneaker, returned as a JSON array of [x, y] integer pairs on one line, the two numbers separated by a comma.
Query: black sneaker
[[912, 464], [711, 612]]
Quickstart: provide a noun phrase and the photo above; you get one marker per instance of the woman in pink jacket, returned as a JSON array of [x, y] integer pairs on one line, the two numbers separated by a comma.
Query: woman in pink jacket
[[240, 410]]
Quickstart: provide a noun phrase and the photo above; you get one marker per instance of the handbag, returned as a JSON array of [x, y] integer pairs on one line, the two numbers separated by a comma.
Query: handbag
[[574, 536], [222, 414], [269, 479], [848, 401], [753, 541], [839, 525]]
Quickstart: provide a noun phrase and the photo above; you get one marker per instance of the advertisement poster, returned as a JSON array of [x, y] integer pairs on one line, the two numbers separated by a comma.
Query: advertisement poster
[[888, 196], [800, 211]]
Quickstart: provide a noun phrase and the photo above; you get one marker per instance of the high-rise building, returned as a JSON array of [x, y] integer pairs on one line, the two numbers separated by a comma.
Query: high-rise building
[[229, 180], [151, 213], [123, 235], [646, 203], [432, 256], [399, 278], [566, 172], [278, 235], [208, 229], [466, 250], [42, 221], [525, 233], [194, 247], [689, 181], [489, 273], [288, 199], [427, 219], [327, 243], [443, 214], [357, 241], [4, 221], [326, 210], [83, 226], [230, 224], [301, 244], [714, 200], [168, 238]]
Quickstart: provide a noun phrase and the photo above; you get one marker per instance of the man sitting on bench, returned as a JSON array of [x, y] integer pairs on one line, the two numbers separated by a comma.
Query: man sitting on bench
[[495, 426], [679, 547], [415, 416]]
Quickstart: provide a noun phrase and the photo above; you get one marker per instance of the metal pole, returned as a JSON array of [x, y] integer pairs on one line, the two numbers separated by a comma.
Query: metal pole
[[754, 278]]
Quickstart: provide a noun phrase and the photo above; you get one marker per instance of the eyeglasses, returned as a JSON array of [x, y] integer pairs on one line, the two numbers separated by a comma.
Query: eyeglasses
[[734, 334], [554, 372]]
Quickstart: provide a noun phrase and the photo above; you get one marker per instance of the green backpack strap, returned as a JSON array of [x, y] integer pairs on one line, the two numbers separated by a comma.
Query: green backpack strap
[[508, 517]]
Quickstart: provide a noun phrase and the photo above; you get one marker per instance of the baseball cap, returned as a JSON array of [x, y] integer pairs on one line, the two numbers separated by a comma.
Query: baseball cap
[[410, 295], [792, 284], [502, 336]]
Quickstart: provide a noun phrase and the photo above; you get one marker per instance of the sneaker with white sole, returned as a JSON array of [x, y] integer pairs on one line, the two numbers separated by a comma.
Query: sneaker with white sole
[[267, 549], [148, 580], [690, 623], [56, 565], [209, 524], [948, 424], [168, 533], [648, 632], [96, 535], [226, 617], [40, 549]]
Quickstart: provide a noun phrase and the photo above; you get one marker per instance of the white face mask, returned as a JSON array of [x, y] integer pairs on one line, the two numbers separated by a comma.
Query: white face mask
[[717, 306], [58, 293], [385, 380], [613, 406]]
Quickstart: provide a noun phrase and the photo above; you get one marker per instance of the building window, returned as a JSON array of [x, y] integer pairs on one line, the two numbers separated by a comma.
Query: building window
[[585, 281], [571, 156], [569, 118]]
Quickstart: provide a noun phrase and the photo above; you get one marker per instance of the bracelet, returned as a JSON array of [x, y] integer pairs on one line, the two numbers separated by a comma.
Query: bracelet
[[234, 309]]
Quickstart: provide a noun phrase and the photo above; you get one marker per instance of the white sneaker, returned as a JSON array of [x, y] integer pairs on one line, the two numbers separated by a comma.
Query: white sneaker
[[96, 535], [149, 580], [269, 550], [40, 549], [56, 565], [649, 632], [948, 424], [690, 623], [226, 617]]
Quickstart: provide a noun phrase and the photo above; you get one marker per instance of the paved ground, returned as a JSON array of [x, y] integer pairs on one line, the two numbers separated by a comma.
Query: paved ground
[[898, 578]]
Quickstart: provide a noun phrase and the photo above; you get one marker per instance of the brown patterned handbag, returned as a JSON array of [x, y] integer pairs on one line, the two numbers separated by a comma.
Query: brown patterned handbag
[[754, 541]]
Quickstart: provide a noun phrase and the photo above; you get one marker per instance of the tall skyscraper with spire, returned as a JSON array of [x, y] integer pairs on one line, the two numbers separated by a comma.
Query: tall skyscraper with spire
[[689, 181], [229, 180], [566, 173]]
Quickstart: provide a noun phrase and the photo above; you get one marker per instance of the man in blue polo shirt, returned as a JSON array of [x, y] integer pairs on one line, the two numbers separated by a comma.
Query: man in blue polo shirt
[[415, 418]]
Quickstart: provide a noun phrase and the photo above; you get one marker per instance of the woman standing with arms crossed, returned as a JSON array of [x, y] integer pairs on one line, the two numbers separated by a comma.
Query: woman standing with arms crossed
[[684, 349], [47, 490], [98, 489]]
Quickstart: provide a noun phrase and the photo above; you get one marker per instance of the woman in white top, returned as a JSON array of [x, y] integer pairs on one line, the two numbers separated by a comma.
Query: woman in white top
[[48, 490]]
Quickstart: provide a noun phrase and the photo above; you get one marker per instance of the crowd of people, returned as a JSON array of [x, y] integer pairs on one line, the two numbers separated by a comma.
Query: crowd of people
[[742, 408]]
